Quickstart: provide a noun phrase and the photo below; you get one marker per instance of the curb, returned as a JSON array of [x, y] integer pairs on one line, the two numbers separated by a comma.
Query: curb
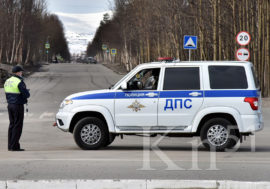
[[243, 185], [132, 184]]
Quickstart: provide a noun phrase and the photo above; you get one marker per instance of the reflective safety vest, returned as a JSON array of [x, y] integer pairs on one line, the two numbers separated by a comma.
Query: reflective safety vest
[[11, 85]]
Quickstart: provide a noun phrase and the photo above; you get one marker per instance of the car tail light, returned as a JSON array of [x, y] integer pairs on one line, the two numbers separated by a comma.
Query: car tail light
[[253, 102]]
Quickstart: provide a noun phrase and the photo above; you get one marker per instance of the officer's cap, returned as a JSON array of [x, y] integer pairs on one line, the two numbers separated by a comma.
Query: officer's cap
[[16, 69]]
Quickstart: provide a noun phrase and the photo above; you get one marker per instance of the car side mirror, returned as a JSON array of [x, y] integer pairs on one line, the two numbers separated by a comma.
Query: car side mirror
[[123, 86]]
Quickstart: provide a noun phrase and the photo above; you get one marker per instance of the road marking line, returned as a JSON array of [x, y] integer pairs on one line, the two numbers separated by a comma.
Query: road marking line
[[132, 183], [131, 160], [47, 115]]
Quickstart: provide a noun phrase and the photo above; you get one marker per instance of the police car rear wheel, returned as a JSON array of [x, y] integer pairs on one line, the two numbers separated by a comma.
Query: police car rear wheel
[[90, 133], [218, 134]]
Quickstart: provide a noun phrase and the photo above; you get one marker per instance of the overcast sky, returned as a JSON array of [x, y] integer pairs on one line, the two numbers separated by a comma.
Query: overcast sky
[[81, 18], [78, 6]]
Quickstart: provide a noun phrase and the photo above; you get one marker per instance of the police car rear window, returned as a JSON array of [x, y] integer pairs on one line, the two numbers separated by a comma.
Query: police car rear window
[[184, 78], [227, 77]]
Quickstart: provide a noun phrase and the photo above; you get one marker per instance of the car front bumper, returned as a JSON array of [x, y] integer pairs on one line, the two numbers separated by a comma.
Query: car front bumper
[[63, 120]]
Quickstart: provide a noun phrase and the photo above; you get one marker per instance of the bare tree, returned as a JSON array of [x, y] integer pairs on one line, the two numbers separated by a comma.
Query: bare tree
[[142, 30], [25, 27]]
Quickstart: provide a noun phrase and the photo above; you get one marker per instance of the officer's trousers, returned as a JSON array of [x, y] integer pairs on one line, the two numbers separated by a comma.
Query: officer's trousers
[[16, 116]]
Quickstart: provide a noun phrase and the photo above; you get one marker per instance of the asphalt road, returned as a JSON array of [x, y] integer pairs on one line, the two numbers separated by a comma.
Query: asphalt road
[[53, 154]]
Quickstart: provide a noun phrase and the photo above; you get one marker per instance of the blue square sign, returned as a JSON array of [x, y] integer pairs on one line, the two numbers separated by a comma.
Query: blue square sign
[[113, 51], [190, 42]]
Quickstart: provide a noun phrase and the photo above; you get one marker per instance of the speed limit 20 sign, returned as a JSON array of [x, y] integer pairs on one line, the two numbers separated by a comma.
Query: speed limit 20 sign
[[243, 38]]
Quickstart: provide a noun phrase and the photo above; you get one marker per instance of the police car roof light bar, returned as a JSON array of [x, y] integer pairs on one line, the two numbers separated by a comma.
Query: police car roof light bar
[[165, 59]]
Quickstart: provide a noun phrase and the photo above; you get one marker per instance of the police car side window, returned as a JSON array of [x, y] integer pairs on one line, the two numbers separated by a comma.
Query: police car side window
[[146, 79], [227, 77], [182, 78]]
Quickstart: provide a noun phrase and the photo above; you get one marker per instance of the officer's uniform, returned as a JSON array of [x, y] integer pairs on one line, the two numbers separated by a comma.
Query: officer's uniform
[[16, 94]]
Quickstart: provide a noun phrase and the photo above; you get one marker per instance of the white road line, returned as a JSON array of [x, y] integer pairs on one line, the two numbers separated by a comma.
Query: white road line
[[134, 160], [132, 183], [47, 115]]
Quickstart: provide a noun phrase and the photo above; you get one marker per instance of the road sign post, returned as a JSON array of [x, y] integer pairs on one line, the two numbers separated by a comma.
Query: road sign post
[[47, 47], [113, 53], [104, 48], [190, 43]]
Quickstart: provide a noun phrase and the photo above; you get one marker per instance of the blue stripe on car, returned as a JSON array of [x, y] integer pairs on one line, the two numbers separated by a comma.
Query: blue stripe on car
[[170, 94], [231, 93]]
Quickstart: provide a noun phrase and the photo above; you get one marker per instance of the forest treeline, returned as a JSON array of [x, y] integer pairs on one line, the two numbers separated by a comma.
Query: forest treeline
[[25, 27], [143, 30]]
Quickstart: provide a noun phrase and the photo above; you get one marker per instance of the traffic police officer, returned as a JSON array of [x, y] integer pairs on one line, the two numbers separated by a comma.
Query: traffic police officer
[[17, 95]]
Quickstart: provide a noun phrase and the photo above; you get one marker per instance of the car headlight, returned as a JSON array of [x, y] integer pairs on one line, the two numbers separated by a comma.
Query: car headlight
[[65, 103]]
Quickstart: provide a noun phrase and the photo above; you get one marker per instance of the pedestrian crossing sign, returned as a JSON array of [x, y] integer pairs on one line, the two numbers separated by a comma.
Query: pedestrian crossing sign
[[190, 42], [113, 51]]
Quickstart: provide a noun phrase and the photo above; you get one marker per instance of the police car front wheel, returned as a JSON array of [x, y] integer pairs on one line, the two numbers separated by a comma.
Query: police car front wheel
[[218, 134], [90, 133]]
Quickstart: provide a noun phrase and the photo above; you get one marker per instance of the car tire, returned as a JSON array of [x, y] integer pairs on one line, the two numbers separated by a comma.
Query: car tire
[[235, 141], [90, 133], [218, 134], [110, 139]]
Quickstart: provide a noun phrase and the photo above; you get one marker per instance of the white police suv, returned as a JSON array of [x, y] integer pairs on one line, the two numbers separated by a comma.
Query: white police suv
[[218, 101]]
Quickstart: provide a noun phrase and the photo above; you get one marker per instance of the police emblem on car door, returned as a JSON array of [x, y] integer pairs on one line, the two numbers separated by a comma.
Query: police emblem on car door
[[136, 106]]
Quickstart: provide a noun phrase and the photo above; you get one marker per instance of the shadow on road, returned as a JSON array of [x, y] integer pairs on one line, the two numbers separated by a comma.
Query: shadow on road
[[176, 148], [141, 148], [257, 149], [163, 148]]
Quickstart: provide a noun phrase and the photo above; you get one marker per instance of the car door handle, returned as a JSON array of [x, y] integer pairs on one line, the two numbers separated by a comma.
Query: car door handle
[[151, 94], [195, 94]]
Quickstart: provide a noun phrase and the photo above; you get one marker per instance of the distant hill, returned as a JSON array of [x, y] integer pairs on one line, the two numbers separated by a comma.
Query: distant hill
[[78, 41]]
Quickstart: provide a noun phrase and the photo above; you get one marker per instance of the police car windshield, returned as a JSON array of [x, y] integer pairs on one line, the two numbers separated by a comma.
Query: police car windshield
[[120, 81], [123, 78]]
